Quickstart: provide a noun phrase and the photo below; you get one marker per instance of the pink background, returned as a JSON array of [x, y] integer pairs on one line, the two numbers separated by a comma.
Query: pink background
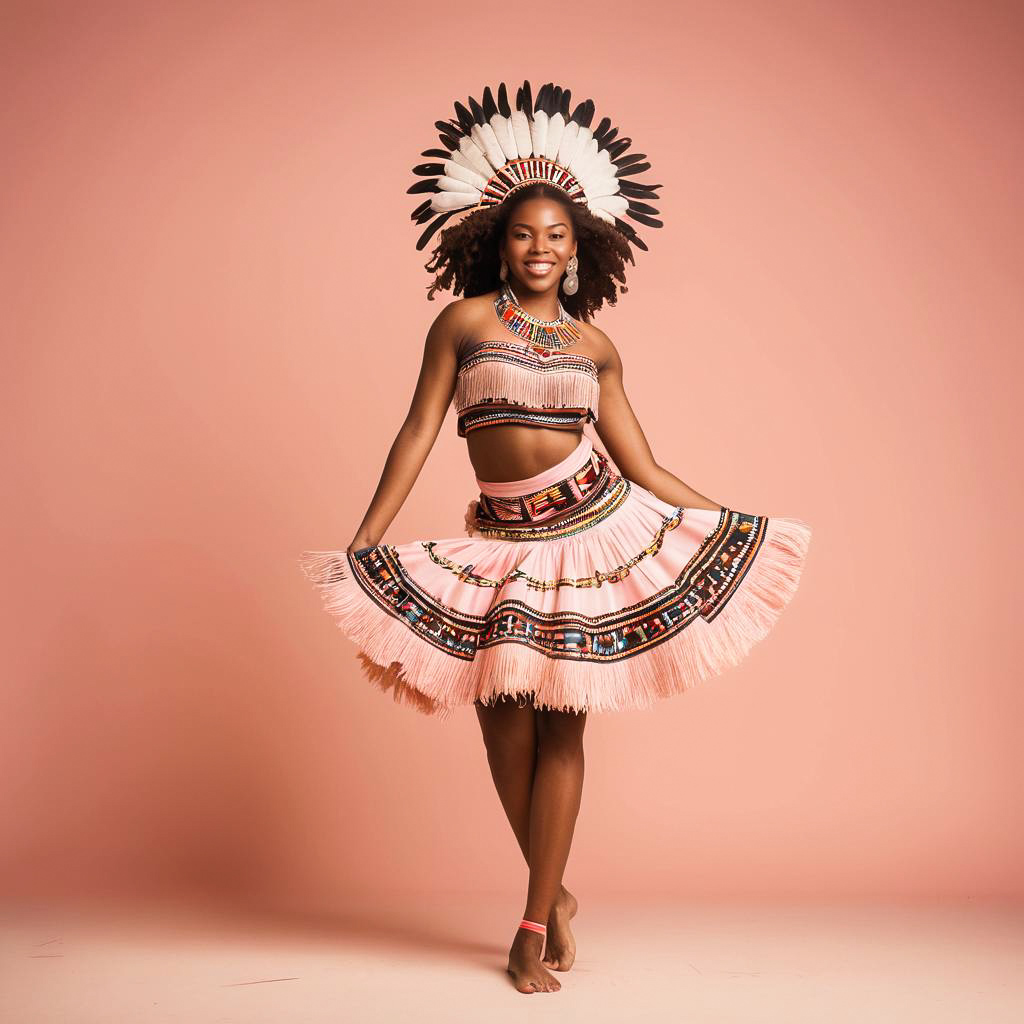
[[213, 318]]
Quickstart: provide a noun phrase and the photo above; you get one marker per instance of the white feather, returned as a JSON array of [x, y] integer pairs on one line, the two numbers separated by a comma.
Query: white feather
[[600, 171], [581, 163], [603, 164], [447, 184], [521, 130], [442, 202], [616, 205], [474, 155], [569, 144], [459, 171], [602, 187], [539, 132], [556, 125], [502, 129], [603, 214], [483, 136]]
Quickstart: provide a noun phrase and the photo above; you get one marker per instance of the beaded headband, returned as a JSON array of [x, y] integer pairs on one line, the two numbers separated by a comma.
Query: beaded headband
[[491, 151]]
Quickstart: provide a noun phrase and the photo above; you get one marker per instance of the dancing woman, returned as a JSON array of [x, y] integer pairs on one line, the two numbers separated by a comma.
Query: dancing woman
[[582, 583]]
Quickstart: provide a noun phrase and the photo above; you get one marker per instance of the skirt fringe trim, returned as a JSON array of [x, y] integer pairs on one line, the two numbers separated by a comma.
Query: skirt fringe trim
[[397, 659]]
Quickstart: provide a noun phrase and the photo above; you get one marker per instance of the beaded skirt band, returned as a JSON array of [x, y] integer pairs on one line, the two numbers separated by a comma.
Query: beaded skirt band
[[498, 513], [613, 602]]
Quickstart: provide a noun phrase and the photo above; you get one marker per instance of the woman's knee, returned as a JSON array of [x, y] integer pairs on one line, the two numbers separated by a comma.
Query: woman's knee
[[509, 731], [561, 732]]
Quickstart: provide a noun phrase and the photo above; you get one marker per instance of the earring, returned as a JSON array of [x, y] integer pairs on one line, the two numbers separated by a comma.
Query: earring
[[571, 282], [503, 273]]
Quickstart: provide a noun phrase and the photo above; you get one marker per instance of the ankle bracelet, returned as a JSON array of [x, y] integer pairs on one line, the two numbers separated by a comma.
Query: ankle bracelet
[[533, 926]]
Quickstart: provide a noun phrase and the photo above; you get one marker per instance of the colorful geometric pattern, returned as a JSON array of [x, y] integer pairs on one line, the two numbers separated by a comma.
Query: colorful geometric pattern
[[532, 357], [703, 587], [496, 414], [554, 500], [527, 385], [598, 505]]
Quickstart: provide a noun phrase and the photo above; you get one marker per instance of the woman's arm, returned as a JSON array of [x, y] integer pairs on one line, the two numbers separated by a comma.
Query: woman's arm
[[416, 437], [624, 441]]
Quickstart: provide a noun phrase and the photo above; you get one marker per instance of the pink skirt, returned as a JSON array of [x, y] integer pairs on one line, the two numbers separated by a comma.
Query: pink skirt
[[621, 600]]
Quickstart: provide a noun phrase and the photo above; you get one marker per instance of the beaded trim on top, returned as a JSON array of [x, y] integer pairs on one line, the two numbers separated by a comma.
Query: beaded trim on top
[[503, 381], [559, 333]]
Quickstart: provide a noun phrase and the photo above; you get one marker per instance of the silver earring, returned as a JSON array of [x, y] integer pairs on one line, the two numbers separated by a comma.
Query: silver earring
[[503, 273], [571, 282]]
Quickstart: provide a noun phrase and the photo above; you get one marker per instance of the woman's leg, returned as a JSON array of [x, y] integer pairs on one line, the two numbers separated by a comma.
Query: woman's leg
[[555, 804], [510, 738], [511, 733]]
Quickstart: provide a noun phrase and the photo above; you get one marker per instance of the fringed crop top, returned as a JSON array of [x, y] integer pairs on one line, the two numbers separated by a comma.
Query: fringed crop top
[[502, 382]]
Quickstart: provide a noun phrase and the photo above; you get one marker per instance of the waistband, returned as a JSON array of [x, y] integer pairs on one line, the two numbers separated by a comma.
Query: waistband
[[579, 498], [576, 459]]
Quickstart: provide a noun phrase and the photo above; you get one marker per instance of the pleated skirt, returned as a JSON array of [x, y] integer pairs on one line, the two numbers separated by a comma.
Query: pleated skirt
[[576, 587]]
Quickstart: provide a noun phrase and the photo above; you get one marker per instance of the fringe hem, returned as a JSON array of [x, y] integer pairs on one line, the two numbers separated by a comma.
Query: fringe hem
[[396, 659]]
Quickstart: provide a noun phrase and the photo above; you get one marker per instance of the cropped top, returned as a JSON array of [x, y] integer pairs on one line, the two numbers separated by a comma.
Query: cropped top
[[505, 381]]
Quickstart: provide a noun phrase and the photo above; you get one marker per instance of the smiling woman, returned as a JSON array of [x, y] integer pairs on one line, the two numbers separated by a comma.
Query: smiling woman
[[579, 585]]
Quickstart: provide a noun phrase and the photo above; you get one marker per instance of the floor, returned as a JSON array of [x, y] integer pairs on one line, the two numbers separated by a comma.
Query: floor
[[442, 958]]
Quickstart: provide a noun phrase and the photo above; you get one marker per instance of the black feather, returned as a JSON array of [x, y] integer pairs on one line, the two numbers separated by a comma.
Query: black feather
[[433, 168], [629, 159], [554, 96], [503, 107], [464, 116], [627, 230], [577, 114], [426, 185], [441, 218], [450, 141], [644, 219], [642, 207], [527, 106], [490, 107], [542, 96], [634, 188], [421, 209], [424, 215], [635, 169], [601, 130], [478, 111], [619, 146], [441, 154], [564, 106]]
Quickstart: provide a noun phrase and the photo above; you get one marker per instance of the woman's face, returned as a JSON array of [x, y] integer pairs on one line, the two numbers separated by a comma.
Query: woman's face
[[538, 244]]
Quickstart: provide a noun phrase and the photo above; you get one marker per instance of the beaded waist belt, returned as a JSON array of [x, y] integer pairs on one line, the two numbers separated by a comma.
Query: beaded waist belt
[[579, 500]]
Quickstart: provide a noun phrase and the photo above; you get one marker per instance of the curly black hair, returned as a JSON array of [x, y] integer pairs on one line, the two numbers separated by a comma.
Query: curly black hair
[[467, 259]]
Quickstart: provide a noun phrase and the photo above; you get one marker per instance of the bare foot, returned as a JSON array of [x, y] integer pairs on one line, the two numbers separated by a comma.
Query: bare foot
[[524, 964], [560, 952]]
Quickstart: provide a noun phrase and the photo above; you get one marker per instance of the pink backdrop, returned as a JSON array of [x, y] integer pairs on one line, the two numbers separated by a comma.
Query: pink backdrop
[[213, 317]]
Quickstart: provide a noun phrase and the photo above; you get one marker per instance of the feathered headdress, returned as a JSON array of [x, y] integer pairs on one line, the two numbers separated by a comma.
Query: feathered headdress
[[492, 150]]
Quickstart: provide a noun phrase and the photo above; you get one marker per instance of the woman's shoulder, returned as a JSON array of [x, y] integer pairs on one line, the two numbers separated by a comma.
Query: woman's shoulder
[[599, 345], [463, 313]]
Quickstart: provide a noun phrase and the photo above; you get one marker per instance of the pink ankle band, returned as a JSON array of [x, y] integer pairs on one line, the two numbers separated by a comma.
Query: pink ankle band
[[533, 926]]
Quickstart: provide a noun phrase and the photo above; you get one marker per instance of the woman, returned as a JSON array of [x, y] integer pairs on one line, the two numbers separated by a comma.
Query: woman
[[579, 586]]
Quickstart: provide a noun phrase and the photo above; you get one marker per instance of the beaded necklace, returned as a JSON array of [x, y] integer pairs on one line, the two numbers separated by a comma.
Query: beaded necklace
[[559, 333]]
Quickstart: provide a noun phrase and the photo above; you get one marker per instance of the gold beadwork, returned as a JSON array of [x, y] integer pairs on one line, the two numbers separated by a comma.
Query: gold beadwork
[[615, 575]]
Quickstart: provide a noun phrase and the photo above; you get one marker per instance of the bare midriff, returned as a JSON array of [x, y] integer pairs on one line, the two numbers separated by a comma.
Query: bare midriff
[[510, 452]]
